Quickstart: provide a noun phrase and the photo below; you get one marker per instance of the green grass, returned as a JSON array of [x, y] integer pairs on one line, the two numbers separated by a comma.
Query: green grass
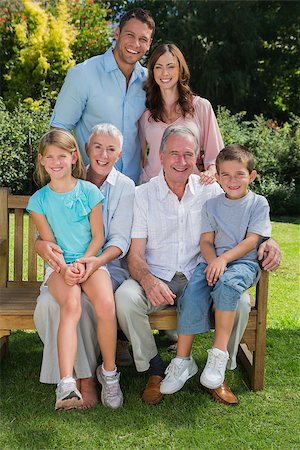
[[187, 420]]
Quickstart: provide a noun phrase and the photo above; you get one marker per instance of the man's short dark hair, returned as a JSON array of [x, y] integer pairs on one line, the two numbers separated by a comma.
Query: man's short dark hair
[[236, 152], [140, 14]]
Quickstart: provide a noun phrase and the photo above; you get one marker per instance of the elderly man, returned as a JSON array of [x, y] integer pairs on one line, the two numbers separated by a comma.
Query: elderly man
[[164, 252]]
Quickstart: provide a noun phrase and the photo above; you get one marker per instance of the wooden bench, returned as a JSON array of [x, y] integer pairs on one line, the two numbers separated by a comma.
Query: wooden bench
[[19, 288]]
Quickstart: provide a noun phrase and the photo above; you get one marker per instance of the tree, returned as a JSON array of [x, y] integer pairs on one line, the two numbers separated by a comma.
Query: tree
[[241, 54], [42, 51], [41, 41]]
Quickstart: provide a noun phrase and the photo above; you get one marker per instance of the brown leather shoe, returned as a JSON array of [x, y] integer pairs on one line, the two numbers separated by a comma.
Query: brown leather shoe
[[152, 394], [223, 394]]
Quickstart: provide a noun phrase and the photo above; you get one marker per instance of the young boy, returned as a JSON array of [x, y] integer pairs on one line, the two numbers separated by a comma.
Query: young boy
[[233, 225]]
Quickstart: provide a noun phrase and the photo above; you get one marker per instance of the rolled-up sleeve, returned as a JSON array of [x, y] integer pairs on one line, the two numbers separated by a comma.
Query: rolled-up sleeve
[[140, 223], [71, 100]]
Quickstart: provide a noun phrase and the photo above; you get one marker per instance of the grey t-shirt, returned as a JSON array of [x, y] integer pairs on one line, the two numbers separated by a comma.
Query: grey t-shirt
[[231, 220]]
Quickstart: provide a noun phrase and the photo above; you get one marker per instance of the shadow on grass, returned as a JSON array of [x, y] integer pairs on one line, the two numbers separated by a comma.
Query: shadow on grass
[[287, 219], [28, 419]]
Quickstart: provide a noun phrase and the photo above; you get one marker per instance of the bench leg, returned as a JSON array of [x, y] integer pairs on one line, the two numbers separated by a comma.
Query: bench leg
[[3, 347]]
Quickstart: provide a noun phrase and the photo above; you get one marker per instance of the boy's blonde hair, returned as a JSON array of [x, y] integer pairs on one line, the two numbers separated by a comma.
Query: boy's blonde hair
[[235, 152], [64, 140]]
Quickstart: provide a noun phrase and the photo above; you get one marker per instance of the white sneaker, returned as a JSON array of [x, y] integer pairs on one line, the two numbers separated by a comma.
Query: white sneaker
[[67, 394], [213, 374], [177, 373], [111, 394]]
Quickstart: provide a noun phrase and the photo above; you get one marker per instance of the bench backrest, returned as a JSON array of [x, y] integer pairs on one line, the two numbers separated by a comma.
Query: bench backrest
[[20, 265]]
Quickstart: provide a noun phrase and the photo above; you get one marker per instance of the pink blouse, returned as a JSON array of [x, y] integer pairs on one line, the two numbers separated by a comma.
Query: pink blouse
[[204, 125]]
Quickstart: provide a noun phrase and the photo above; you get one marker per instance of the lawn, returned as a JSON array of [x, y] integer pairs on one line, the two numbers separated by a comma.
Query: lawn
[[190, 419]]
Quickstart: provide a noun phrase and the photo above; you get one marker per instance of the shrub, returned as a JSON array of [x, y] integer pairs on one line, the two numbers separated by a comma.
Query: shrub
[[277, 154], [20, 131], [40, 42], [276, 149], [42, 52]]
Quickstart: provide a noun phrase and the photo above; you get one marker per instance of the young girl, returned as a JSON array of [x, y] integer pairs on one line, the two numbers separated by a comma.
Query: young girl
[[67, 210]]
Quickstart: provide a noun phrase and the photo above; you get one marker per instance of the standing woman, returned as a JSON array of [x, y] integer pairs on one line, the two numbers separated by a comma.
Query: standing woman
[[170, 101]]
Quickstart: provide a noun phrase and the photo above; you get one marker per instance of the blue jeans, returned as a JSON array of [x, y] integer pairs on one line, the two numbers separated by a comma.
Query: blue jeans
[[196, 300]]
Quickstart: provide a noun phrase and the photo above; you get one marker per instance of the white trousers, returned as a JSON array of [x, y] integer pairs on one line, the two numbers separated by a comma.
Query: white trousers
[[133, 308]]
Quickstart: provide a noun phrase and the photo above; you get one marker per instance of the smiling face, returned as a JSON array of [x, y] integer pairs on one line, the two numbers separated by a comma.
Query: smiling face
[[132, 42], [57, 162], [166, 71], [104, 151], [234, 177], [178, 160]]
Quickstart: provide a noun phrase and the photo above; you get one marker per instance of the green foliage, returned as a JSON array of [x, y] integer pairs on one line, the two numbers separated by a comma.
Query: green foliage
[[93, 34], [277, 154], [276, 149], [41, 41], [242, 54], [42, 51], [18, 129]]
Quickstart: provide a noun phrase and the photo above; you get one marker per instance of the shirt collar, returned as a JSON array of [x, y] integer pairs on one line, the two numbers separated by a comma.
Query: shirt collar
[[164, 188], [112, 177], [110, 64]]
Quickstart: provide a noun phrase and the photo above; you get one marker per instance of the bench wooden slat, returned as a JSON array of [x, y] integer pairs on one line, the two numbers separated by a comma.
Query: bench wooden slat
[[17, 201], [18, 245], [3, 237], [32, 257]]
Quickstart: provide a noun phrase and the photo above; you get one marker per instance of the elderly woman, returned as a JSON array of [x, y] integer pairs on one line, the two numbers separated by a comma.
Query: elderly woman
[[170, 101], [104, 148]]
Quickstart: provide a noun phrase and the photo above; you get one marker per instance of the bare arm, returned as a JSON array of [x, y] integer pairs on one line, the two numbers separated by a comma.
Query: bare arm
[[218, 265], [46, 234], [156, 290], [249, 243], [97, 230], [207, 246]]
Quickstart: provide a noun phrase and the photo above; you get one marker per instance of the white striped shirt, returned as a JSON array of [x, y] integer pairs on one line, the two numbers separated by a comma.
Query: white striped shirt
[[171, 227]]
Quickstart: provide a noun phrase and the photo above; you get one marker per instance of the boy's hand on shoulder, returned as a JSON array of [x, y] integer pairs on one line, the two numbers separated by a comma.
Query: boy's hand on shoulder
[[215, 269]]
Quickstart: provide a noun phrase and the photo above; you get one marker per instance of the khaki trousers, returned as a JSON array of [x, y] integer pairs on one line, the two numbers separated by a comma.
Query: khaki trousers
[[133, 308]]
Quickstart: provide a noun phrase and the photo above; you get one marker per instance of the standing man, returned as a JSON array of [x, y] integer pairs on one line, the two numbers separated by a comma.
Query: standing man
[[109, 89], [165, 251]]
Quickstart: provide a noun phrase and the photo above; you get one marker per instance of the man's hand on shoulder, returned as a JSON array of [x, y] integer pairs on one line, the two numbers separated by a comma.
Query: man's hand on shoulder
[[270, 255]]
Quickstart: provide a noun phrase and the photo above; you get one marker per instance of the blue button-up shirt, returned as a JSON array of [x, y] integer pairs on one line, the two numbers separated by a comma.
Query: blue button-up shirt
[[95, 92]]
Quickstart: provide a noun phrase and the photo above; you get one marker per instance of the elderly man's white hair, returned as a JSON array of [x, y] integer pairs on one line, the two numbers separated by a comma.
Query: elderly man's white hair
[[179, 130], [106, 129]]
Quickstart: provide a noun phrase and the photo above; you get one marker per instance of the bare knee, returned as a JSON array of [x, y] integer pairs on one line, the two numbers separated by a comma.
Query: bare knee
[[105, 309], [71, 307]]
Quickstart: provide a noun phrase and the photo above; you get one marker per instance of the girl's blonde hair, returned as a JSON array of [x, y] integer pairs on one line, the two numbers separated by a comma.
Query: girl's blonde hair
[[64, 140]]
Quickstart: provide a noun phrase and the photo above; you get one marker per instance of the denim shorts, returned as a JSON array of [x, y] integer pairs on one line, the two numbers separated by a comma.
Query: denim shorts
[[195, 303]]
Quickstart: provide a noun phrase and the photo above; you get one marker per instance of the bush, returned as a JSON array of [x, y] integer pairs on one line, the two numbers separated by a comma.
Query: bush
[[20, 131], [40, 42], [277, 154], [276, 149]]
